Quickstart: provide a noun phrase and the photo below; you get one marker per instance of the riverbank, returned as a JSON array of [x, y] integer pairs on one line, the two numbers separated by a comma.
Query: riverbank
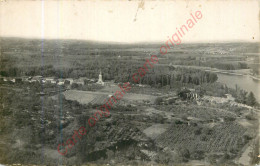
[[243, 82], [225, 72], [234, 78], [241, 72]]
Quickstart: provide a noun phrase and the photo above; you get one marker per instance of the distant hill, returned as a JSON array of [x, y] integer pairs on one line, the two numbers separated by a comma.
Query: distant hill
[[23, 44]]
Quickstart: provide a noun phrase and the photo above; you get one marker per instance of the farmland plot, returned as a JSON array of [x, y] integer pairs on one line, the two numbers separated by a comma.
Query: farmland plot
[[85, 97], [139, 97], [203, 113], [99, 99], [221, 138], [80, 96]]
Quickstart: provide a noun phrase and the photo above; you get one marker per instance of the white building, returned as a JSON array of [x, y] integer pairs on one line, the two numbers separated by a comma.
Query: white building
[[13, 80], [100, 81], [61, 82], [50, 80]]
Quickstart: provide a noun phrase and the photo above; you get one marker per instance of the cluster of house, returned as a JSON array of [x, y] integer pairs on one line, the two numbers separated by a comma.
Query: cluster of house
[[52, 80], [216, 52], [9, 79]]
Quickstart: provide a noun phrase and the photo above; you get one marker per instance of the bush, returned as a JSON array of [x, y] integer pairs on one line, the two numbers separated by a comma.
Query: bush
[[203, 137], [183, 154], [247, 137], [165, 157], [207, 131], [158, 101], [229, 119], [184, 117], [6, 112], [251, 117], [197, 131], [171, 101], [197, 155]]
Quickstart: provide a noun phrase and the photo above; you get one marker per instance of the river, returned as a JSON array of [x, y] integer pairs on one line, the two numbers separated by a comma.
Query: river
[[244, 82]]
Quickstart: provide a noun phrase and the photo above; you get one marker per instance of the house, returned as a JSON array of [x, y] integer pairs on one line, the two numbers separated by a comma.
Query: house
[[230, 97], [5, 79], [25, 78], [18, 80], [79, 81], [140, 85], [9, 80], [36, 79], [92, 80], [54, 81], [70, 80], [50, 80], [12, 80], [61, 81], [43, 80]]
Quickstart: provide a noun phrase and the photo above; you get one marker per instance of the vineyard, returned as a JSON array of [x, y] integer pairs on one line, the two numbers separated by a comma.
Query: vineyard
[[228, 137], [99, 99]]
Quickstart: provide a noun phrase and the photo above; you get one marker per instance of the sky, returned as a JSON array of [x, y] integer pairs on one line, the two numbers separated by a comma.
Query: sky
[[130, 21]]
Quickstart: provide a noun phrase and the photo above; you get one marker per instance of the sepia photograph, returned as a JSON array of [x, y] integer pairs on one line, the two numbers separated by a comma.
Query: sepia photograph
[[129, 83]]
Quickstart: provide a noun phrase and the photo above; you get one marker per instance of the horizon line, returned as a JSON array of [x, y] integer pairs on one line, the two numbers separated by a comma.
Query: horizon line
[[125, 43]]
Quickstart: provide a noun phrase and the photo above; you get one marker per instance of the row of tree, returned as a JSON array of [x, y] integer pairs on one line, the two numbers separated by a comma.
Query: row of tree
[[163, 78]]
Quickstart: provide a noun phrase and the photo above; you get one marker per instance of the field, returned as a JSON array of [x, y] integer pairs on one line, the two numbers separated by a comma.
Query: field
[[86, 97], [131, 97], [201, 112], [218, 139], [155, 130]]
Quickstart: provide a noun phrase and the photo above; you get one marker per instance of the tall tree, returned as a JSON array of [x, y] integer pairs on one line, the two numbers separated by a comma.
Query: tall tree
[[251, 99]]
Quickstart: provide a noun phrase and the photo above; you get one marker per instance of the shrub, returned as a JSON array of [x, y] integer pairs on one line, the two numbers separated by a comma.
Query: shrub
[[207, 131], [197, 155], [178, 122], [229, 119], [250, 117], [158, 101], [203, 137], [183, 154], [6, 112], [171, 101], [197, 131]]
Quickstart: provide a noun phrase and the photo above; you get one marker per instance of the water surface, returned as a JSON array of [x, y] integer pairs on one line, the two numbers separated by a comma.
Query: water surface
[[244, 82]]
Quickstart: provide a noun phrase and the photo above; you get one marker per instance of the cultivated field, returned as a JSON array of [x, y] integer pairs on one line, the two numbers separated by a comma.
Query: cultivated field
[[86, 97]]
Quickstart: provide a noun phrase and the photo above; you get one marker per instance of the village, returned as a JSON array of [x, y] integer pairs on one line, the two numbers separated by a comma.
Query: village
[[109, 86], [44, 80]]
